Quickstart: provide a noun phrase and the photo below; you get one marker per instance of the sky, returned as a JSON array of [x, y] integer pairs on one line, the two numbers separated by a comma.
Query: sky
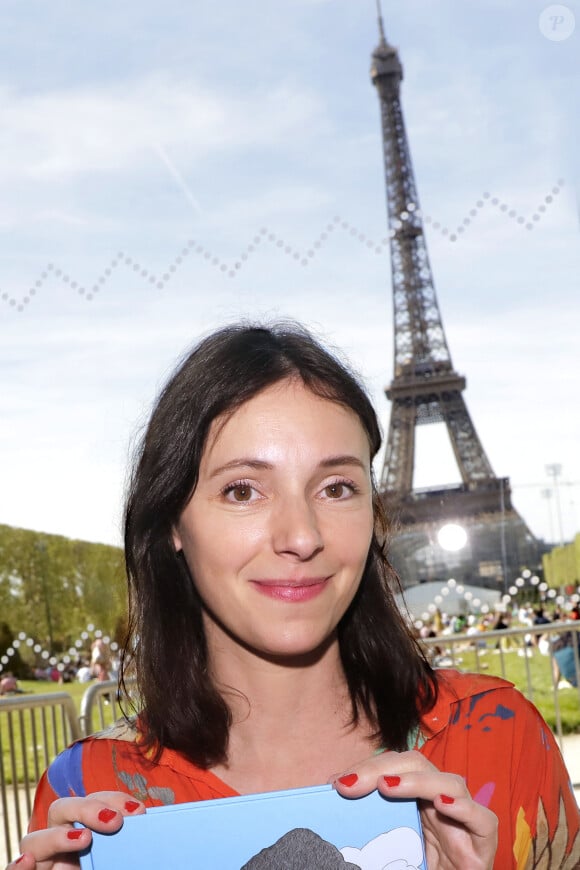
[[169, 167]]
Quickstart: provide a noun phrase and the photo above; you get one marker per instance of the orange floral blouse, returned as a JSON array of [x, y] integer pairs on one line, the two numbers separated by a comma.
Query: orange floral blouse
[[481, 728]]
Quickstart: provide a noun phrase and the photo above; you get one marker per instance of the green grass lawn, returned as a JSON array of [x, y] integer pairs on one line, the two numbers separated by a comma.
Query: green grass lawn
[[541, 694]]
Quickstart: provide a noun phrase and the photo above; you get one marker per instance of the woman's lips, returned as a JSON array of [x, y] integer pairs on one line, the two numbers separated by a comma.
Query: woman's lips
[[292, 591]]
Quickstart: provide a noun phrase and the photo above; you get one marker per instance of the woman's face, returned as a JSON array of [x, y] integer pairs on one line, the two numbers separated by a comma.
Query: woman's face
[[277, 532]]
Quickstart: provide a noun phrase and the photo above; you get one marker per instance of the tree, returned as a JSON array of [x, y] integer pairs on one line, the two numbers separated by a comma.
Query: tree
[[51, 587]]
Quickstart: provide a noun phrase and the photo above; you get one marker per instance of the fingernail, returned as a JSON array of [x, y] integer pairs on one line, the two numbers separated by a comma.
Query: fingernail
[[131, 806], [349, 779], [446, 799], [74, 835], [107, 815], [392, 781]]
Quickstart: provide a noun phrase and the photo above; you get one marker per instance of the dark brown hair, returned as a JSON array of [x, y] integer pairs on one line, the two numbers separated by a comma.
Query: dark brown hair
[[387, 674]]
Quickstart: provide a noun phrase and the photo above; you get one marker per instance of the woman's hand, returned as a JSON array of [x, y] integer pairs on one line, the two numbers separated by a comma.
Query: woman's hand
[[458, 832], [57, 846]]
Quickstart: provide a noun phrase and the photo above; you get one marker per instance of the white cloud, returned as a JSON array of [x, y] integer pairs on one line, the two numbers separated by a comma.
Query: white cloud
[[100, 129]]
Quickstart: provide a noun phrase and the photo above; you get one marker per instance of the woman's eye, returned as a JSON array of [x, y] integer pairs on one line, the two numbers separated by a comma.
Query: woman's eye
[[240, 492], [338, 490]]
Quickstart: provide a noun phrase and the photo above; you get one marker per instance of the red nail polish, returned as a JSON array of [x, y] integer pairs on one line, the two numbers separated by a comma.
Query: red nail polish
[[348, 780], [131, 806], [107, 815], [74, 835], [446, 799], [392, 781]]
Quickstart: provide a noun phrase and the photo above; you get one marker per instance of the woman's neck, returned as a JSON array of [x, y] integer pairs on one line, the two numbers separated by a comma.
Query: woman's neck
[[291, 721], [272, 684]]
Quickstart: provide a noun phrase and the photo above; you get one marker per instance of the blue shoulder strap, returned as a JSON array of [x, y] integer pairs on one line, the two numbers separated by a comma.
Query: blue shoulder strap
[[65, 774]]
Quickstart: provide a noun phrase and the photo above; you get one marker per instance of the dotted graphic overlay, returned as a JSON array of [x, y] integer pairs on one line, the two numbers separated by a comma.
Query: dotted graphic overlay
[[53, 273], [487, 200], [557, 22], [451, 589], [45, 658]]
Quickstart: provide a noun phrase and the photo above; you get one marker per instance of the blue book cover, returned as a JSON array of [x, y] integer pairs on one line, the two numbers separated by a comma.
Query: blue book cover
[[300, 829]]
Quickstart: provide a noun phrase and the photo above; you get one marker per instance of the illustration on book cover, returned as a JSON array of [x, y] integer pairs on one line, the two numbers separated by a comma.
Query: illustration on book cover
[[302, 849]]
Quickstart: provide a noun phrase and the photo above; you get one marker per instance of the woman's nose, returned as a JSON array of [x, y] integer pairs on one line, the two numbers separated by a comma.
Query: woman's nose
[[296, 529]]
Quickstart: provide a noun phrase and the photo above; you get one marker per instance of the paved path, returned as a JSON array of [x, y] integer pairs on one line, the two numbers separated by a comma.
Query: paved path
[[14, 839], [572, 759]]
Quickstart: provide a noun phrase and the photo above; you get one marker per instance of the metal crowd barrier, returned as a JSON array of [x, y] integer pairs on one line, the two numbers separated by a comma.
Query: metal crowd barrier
[[101, 700], [33, 730]]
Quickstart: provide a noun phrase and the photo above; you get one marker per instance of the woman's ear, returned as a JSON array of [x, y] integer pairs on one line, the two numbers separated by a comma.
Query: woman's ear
[[176, 537]]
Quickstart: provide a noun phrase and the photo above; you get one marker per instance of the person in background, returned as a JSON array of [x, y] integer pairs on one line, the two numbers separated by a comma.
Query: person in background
[[564, 659], [9, 684], [540, 617], [100, 660], [502, 623], [84, 672]]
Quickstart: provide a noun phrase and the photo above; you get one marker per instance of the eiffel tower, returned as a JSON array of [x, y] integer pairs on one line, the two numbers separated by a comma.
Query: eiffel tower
[[426, 389]]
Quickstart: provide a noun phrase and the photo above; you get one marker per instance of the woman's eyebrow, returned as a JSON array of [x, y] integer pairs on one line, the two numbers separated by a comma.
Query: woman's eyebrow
[[242, 462], [344, 459]]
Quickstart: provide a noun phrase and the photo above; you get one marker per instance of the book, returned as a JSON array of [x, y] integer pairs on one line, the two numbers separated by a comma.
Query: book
[[298, 829]]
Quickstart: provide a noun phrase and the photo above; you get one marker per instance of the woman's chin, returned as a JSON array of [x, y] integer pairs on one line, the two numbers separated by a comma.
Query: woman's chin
[[295, 649]]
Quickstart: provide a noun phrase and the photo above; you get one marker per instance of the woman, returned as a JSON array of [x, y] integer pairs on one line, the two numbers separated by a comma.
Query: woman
[[268, 649]]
